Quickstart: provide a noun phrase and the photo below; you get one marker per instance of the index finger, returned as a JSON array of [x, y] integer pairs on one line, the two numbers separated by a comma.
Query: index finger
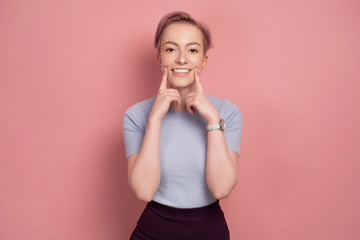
[[164, 79], [199, 87]]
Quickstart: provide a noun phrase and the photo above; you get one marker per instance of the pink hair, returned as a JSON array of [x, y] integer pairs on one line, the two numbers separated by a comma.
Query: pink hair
[[181, 17]]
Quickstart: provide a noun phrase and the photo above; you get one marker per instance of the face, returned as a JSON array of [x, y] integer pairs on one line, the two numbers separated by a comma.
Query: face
[[182, 50]]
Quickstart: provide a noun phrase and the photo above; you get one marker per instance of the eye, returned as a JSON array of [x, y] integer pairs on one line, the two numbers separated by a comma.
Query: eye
[[193, 50], [169, 50]]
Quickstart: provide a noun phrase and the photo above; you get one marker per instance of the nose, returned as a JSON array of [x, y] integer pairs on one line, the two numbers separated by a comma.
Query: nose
[[181, 58]]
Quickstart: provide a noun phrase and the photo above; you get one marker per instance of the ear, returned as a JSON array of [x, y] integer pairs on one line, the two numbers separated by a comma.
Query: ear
[[158, 59], [205, 60]]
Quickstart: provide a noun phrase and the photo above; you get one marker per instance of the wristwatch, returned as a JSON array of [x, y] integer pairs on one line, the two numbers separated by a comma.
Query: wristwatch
[[220, 126]]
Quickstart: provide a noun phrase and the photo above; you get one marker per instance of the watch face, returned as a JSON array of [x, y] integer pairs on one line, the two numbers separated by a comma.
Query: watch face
[[222, 124]]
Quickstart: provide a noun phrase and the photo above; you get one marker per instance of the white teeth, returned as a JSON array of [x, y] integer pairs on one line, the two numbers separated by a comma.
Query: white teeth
[[180, 70]]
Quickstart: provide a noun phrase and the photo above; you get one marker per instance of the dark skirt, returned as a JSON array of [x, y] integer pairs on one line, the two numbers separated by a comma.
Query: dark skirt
[[160, 222]]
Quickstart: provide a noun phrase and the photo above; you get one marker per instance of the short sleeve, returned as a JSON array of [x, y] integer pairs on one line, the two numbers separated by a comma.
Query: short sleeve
[[134, 125], [233, 128]]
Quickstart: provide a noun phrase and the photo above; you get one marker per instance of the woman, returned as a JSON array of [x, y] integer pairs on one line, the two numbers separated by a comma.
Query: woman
[[182, 158]]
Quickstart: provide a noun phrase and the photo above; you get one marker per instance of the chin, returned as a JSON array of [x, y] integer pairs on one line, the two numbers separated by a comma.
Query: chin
[[181, 82], [178, 84]]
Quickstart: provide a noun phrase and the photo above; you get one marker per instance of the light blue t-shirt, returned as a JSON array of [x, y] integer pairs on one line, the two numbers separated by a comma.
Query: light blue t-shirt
[[183, 143]]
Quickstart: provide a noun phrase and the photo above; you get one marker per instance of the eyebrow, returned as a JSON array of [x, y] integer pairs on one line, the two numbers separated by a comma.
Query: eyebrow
[[188, 44]]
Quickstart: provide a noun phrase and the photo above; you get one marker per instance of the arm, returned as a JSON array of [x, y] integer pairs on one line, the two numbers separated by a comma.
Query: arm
[[144, 166], [221, 163]]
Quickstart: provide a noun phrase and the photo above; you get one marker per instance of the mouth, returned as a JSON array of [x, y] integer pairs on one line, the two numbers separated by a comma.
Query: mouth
[[181, 70]]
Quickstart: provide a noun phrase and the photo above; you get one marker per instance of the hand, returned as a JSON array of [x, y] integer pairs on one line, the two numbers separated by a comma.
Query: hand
[[164, 98], [199, 101]]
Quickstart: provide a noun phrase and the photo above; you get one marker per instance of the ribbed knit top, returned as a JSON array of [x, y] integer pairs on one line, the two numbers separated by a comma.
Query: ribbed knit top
[[183, 144]]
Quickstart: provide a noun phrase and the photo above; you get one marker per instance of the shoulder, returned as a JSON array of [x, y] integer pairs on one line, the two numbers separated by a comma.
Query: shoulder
[[137, 114], [141, 108], [228, 111], [224, 106]]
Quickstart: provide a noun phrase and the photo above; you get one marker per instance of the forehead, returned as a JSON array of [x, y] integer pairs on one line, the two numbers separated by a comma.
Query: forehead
[[182, 33]]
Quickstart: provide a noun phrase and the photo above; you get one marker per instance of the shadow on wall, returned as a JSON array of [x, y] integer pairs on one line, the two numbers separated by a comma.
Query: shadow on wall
[[146, 71], [124, 207]]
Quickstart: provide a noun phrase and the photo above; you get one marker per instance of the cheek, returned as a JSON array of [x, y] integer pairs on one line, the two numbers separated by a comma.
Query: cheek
[[166, 60], [197, 61]]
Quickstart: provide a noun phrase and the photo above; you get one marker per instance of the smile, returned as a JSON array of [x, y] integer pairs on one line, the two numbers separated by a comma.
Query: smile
[[180, 70]]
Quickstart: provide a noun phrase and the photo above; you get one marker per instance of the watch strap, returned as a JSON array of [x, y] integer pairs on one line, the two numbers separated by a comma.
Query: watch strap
[[220, 126], [213, 127]]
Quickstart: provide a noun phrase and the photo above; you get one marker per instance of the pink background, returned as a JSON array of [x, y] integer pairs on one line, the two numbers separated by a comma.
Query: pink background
[[69, 70]]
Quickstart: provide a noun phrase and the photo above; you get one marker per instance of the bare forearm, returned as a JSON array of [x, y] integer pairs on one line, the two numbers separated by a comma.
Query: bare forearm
[[221, 169], [144, 174], [144, 167]]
